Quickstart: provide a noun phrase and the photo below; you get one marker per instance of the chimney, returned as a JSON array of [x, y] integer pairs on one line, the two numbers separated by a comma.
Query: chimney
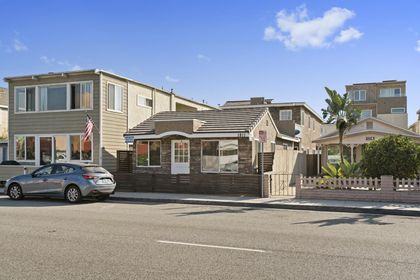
[[257, 100]]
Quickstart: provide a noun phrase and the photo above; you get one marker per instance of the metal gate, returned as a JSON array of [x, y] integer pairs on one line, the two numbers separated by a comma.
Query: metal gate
[[282, 184]]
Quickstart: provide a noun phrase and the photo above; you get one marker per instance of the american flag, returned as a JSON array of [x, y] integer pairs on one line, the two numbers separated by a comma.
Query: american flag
[[88, 129]]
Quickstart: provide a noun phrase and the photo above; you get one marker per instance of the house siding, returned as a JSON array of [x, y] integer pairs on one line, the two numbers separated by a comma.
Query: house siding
[[66, 122], [115, 124]]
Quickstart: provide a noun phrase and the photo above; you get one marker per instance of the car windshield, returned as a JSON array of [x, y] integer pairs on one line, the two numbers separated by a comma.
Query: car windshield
[[94, 169]]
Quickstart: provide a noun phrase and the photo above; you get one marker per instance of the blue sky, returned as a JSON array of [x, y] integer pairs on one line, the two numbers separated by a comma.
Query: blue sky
[[219, 50]]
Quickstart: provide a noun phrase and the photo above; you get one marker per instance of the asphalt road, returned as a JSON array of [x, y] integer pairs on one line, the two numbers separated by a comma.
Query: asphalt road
[[50, 239]]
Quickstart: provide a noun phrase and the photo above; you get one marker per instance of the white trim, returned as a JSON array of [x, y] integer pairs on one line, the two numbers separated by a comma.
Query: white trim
[[404, 111], [291, 115], [100, 118], [148, 154], [107, 97], [173, 156], [391, 88], [68, 147], [68, 97]]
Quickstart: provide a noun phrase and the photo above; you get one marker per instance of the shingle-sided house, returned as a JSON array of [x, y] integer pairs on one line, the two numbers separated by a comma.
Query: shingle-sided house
[[212, 151]]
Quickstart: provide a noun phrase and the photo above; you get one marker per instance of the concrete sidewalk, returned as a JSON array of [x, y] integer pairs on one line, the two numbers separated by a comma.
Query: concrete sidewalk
[[277, 202]]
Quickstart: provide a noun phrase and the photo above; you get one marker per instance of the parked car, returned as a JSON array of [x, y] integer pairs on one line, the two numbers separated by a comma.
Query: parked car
[[9, 162], [68, 180]]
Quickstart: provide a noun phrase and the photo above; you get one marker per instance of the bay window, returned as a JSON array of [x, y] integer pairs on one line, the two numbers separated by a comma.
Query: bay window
[[115, 94], [147, 153], [25, 148], [79, 149], [57, 97], [52, 98], [25, 99], [219, 156], [81, 96]]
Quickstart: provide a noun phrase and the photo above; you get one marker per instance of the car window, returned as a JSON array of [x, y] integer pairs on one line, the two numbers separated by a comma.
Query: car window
[[63, 169], [44, 171], [94, 169]]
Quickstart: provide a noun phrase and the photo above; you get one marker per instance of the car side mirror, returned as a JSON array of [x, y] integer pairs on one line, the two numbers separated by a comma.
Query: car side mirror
[[33, 175]]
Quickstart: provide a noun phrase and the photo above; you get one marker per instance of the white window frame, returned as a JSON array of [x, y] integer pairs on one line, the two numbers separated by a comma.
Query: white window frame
[[353, 93], [148, 154], [68, 147], [284, 111], [141, 97], [398, 108], [115, 97], [37, 93], [69, 96], [393, 89], [217, 140], [367, 110], [24, 145]]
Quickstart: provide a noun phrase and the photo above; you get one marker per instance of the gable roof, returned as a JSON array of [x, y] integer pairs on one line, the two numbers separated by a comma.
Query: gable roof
[[402, 131], [214, 121]]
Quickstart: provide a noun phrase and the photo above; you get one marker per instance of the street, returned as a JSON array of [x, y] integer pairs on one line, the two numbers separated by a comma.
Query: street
[[51, 239]]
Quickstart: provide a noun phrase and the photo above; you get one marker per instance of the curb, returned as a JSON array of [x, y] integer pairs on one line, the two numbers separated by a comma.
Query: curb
[[377, 211]]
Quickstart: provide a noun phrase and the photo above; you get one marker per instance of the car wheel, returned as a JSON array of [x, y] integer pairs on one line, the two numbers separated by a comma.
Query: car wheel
[[15, 192], [73, 194], [103, 197]]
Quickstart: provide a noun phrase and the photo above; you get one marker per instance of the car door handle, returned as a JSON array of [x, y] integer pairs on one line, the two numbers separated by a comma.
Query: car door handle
[[45, 179]]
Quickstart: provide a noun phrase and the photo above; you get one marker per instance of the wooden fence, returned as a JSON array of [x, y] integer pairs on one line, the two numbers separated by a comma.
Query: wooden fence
[[386, 188]]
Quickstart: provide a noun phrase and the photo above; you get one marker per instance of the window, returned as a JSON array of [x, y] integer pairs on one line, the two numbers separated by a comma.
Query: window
[[369, 125], [366, 114], [52, 98], [313, 124], [357, 95], [144, 101], [181, 152], [44, 171], [115, 94], [400, 110], [81, 95], [79, 149], [285, 115], [63, 169], [285, 146], [309, 122], [302, 117], [25, 148], [60, 148], [389, 92], [147, 153], [25, 99], [219, 156]]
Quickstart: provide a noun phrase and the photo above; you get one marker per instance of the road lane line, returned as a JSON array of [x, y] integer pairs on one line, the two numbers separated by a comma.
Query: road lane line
[[211, 246]]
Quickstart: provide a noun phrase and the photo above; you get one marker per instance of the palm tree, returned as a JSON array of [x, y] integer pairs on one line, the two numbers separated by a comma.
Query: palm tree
[[341, 113]]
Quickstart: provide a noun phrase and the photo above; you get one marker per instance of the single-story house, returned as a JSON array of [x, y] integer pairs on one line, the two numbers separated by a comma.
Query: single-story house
[[212, 151], [354, 140]]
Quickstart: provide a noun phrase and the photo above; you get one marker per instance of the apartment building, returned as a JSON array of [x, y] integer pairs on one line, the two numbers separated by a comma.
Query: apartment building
[[385, 100], [3, 123], [294, 119], [47, 115]]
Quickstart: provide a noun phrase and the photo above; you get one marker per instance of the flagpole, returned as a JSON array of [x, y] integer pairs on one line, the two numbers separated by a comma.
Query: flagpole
[[94, 125]]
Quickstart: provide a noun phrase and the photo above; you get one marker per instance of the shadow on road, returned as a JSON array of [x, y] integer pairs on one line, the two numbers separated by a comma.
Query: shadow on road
[[368, 219], [235, 210], [38, 202]]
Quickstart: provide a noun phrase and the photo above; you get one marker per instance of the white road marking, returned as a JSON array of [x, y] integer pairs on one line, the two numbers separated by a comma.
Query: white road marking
[[211, 246]]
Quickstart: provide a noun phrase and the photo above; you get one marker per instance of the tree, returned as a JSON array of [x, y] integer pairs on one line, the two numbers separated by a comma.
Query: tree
[[341, 113], [393, 155]]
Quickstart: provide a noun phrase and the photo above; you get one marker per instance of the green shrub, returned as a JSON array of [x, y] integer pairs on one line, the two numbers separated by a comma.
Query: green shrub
[[398, 156], [345, 170]]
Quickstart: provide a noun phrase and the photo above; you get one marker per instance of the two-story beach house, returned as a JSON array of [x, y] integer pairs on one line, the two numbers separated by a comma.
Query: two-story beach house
[[383, 107], [294, 119], [48, 113]]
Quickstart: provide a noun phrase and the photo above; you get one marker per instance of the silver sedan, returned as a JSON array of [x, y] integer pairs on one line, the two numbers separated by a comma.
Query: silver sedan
[[72, 181]]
